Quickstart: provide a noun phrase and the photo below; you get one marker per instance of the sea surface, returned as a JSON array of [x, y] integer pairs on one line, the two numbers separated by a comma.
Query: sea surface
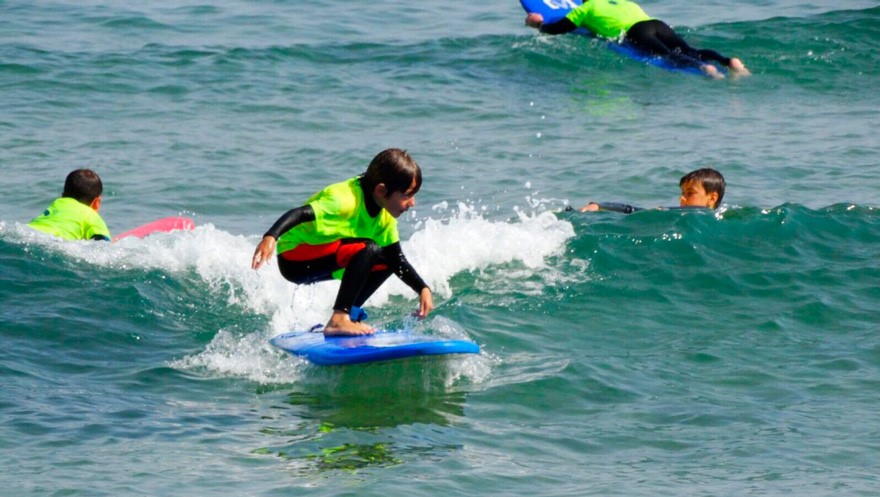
[[663, 353]]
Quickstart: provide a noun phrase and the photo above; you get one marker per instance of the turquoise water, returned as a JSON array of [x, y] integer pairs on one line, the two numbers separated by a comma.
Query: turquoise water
[[661, 353]]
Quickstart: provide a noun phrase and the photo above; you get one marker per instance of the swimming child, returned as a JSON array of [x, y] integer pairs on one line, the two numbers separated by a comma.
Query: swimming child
[[701, 188], [74, 215], [625, 20], [349, 230]]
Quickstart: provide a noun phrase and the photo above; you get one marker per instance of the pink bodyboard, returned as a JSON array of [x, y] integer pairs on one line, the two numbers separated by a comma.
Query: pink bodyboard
[[163, 225]]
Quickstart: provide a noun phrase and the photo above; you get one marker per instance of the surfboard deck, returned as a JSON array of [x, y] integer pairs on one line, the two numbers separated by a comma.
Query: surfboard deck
[[163, 225], [381, 346], [553, 10]]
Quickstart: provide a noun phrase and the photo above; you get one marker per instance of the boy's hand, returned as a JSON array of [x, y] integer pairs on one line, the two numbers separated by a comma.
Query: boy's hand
[[426, 303], [264, 252], [534, 20]]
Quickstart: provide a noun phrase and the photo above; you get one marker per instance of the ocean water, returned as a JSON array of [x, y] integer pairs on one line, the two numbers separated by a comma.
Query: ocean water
[[662, 353]]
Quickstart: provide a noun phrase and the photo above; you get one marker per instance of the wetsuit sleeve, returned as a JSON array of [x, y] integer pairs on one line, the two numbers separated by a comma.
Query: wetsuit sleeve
[[559, 27], [402, 268], [617, 207], [102, 238], [290, 219]]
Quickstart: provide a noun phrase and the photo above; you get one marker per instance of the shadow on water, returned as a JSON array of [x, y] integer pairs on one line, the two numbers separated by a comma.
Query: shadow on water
[[356, 417]]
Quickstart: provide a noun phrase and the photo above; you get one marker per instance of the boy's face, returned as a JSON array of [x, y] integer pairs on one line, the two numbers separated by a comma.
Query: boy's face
[[694, 195], [398, 202]]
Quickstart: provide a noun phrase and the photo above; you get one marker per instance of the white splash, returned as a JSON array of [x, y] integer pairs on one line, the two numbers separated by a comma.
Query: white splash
[[439, 249]]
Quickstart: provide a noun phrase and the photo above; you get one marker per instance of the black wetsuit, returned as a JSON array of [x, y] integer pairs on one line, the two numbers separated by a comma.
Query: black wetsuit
[[653, 37], [367, 265], [629, 209]]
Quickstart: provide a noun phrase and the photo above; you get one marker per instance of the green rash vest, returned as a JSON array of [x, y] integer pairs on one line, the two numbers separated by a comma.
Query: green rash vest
[[340, 212], [607, 18], [70, 219]]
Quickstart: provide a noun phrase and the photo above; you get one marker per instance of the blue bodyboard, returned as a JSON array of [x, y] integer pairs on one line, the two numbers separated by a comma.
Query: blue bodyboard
[[553, 10], [381, 346]]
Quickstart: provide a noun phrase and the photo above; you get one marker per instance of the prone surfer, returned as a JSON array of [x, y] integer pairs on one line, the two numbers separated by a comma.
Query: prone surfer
[[74, 215], [348, 230], [620, 20], [701, 188]]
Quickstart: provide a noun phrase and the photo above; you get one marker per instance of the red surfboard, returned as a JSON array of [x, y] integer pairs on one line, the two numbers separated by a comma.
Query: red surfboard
[[163, 225]]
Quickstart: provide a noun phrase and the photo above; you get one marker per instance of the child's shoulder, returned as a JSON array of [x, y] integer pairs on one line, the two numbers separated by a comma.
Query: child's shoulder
[[339, 198]]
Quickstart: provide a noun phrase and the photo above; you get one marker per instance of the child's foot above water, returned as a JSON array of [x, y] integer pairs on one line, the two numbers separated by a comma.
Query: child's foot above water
[[711, 71], [738, 68], [344, 326]]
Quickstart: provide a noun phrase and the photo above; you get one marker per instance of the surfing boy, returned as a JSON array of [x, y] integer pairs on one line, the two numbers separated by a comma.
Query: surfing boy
[[74, 215], [701, 188], [621, 20], [349, 230]]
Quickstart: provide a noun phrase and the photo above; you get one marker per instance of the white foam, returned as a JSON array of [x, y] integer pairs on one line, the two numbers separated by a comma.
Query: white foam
[[246, 356], [453, 241]]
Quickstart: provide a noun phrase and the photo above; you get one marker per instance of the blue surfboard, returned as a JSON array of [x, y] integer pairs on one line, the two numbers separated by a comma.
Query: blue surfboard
[[381, 346], [553, 10]]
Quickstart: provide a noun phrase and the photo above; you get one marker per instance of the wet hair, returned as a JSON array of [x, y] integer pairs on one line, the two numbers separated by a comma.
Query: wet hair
[[710, 179], [395, 169], [83, 185]]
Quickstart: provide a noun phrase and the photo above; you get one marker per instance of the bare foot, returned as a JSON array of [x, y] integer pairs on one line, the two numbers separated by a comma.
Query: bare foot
[[711, 71], [738, 68], [340, 324]]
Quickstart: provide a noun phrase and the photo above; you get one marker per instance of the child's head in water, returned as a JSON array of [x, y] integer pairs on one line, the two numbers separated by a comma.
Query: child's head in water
[[84, 185], [702, 188], [74, 215]]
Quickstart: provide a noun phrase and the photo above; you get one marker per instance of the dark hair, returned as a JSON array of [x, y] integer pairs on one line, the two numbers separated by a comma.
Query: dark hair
[[395, 169], [710, 179], [83, 185]]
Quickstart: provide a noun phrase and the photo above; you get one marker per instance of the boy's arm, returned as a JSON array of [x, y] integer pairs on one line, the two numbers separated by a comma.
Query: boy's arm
[[610, 206], [266, 249], [559, 27], [95, 227], [290, 219], [398, 263]]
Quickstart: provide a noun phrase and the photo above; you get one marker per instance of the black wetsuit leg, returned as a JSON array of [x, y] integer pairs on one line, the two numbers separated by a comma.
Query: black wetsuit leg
[[361, 278], [307, 272], [374, 281], [655, 37], [367, 266]]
